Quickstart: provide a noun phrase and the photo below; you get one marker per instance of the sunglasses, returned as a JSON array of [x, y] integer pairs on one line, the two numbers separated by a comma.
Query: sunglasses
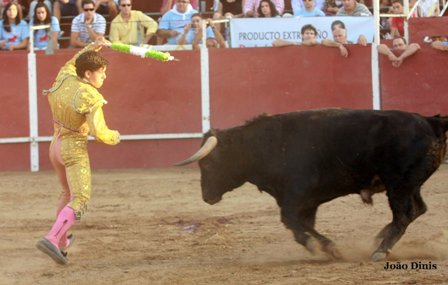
[[184, 2], [89, 9], [126, 5]]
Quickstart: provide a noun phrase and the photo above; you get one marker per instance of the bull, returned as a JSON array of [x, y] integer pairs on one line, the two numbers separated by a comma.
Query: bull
[[304, 159]]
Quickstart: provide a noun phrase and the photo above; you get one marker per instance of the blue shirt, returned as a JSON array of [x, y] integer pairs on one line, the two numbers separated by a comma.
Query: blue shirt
[[41, 36], [173, 20], [315, 13], [192, 32], [17, 35]]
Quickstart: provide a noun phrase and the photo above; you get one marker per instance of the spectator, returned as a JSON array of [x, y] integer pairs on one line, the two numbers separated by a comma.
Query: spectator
[[297, 5], [229, 9], [353, 8], [331, 7], [266, 9], [310, 10], [399, 46], [128, 27], [3, 4], [104, 7], [440, 44], [428, 8], [66, 8], [193, 34], [308, 33], [169, 4], [14, 31], [33, 6], [340, 38], [44, 37], [397, 24], [172, 24], [88, 26], [250, 7]]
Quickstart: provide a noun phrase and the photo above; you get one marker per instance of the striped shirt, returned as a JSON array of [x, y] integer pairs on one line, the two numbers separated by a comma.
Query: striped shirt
[[98, 26]]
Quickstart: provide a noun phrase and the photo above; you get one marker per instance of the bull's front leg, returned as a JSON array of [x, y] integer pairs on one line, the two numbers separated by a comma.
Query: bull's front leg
[[405, 209], [301, 222]]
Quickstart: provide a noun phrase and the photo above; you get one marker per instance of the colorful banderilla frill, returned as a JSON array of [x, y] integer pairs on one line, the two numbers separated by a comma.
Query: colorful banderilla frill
[[142, 52]]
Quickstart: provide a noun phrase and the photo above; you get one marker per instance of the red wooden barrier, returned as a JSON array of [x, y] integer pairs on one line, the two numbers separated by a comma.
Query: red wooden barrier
[[146, 96]]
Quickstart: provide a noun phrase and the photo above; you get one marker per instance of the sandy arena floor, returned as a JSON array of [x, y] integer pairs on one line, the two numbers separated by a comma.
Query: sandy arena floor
[[152, 227]]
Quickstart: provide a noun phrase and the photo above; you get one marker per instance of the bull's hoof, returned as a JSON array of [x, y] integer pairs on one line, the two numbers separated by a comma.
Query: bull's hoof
[[332, 250], [313, 245], [378, 256]]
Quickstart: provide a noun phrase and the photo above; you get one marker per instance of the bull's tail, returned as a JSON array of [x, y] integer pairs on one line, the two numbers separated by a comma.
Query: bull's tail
[[439, 124]]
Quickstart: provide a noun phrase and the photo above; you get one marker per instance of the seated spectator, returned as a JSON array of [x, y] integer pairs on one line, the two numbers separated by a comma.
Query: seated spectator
[[440, 44], [172, 24], [229, 9], [308, 33], [33, 7], [169, 4], [297, 5], [331, 7], [267, 9], [340, 38], [310, 10], [397, 24], [128, 27], [3, 4], [193, 34], [399, 46], [104, 7], [428, 8], [44, 37], [14, 32], [88, 26], [66, 8], [353, 8], [250, 7]]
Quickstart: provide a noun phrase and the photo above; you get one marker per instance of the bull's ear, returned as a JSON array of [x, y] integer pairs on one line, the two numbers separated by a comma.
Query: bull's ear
[[208, 146]]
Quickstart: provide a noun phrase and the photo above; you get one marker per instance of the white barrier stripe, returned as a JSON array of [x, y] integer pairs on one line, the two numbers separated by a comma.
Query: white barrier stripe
[[123, 137]]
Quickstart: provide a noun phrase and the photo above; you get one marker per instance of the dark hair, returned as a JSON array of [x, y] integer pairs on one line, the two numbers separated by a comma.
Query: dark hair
[[397, 1], [47, 20], [119, 2], [337, 23], [196, 15], [6, 24], [89, 61], [84, 2], [274, 11], [308, 27]]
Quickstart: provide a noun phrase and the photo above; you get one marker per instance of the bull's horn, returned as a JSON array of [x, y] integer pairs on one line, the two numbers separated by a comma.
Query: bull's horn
[[208, 146]]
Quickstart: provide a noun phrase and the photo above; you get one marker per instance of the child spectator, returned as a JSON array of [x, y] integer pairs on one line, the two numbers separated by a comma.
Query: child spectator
[[193, 34], [14, 32], [33, 6], [308, 33], [44, 37]]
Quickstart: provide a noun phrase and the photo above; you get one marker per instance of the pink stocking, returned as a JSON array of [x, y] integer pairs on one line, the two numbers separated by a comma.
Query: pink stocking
[[64, 221]]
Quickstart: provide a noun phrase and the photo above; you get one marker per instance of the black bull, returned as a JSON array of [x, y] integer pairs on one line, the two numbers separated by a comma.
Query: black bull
[[304, 159]]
